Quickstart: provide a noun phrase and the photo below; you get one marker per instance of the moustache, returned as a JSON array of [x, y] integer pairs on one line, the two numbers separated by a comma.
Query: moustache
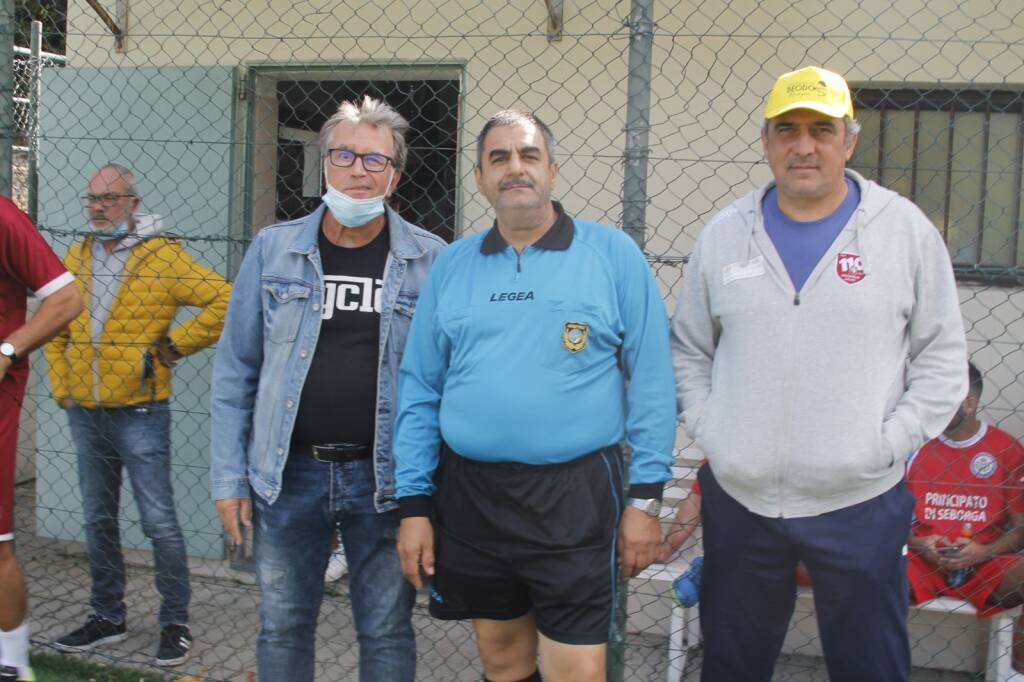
[[523, 182]]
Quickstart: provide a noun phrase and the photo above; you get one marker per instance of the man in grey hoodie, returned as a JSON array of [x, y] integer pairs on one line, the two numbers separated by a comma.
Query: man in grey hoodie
[[817, 343]]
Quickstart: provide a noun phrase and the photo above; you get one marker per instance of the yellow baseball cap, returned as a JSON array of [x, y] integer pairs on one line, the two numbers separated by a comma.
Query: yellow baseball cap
[[810, 88]]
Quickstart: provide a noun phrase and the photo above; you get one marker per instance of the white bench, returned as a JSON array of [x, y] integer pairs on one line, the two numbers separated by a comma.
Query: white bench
[[684, 627]]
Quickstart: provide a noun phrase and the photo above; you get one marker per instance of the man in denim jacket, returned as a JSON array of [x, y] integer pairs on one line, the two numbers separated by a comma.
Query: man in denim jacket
[[304, 397]]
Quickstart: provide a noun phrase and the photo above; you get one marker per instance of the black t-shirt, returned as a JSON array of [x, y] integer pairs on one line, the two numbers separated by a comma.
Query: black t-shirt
[[339, 399]]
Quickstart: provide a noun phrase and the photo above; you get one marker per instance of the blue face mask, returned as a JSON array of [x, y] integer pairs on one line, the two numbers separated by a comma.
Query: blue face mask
[[120, 230], [351, 212]]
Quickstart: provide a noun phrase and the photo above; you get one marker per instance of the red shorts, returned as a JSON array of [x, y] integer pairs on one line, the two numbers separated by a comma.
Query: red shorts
[[927, 582], [12, 390]]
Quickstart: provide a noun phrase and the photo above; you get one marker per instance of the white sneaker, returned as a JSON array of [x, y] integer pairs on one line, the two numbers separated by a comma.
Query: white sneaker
[[1015, 677], [337, 566]]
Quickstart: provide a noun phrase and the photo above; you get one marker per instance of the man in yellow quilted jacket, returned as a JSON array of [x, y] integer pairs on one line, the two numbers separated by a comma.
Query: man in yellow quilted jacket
[[111, 370]]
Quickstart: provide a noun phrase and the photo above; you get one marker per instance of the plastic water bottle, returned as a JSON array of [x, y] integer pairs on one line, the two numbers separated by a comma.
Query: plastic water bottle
[[958, 578], [686, 588]]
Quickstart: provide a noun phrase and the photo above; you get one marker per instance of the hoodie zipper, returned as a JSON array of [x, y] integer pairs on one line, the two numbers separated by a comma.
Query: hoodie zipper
[[781, 281]]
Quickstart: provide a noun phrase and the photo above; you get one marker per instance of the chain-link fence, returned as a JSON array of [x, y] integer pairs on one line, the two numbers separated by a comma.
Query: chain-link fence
[[657, 109]]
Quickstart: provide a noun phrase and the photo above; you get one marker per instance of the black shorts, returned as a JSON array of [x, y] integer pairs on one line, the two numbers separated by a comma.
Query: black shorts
[[513, 537]]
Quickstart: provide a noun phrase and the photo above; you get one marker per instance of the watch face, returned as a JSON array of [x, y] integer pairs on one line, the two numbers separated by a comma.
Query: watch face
[[7, 349]]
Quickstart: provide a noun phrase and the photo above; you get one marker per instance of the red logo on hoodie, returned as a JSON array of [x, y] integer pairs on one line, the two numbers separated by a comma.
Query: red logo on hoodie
[[849, 268]]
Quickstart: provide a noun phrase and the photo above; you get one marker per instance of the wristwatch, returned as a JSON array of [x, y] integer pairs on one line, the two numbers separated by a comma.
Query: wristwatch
[[651, 507], [7, 350]]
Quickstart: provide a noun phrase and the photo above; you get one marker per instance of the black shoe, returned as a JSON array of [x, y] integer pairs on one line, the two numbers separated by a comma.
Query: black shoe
[[95, 632], [175, 642], [8, 674]]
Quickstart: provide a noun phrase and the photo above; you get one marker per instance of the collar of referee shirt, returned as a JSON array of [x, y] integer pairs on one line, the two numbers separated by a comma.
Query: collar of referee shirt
[[557, 238]]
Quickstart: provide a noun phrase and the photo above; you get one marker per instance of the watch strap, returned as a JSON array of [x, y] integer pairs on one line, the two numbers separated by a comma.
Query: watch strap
[[650, 506]]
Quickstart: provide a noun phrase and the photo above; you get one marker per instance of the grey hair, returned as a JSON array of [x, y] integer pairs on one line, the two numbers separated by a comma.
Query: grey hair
[[511, 117], [852, 126], [124, 173], [373, 112]]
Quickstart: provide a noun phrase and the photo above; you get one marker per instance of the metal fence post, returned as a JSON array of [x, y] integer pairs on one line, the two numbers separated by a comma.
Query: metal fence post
[[634, 216], [34, 94], [638, 110], [6, 95]]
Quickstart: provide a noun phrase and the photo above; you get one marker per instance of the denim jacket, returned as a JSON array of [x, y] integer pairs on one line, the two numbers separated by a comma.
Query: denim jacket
[[269, 337]]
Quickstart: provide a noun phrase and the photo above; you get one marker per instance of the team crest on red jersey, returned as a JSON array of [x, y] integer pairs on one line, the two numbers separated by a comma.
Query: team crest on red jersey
[[849, 268], [983, 465]]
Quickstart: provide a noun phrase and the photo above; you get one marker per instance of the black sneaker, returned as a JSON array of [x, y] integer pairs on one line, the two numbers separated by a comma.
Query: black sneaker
[[95, 632], [175, 641], [8, 674]]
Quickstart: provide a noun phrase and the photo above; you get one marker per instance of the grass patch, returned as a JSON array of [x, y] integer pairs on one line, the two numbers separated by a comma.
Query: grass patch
[[59, 668]]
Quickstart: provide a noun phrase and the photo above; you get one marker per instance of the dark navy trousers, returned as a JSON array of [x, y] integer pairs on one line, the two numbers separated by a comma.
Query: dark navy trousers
[[855, 557]]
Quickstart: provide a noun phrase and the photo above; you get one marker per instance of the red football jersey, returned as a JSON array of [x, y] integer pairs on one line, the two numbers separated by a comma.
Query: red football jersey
[[26, 263], [976, 481]]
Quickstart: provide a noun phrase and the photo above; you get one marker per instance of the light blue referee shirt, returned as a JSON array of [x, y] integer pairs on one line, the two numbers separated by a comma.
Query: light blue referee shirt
[[538, 357]]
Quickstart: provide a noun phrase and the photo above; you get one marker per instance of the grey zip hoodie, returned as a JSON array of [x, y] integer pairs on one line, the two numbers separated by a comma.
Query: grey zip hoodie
[[809, 402], [108, 269]]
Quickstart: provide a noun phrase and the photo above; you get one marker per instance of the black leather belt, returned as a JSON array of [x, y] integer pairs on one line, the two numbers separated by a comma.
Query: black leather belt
[[335, 453]]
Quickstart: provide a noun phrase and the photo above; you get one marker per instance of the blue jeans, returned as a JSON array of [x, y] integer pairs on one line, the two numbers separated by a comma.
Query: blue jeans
[[291, 545], [137, 438]]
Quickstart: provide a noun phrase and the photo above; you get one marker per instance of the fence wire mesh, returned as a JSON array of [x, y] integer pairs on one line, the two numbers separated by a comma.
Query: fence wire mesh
[[657, 110]]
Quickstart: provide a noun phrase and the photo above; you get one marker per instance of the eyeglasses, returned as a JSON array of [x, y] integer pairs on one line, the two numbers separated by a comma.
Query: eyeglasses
[[107, 200], [344, 158]]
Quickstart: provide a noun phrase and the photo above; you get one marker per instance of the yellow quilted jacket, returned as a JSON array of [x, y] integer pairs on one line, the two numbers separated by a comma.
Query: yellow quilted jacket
[[159, 277]]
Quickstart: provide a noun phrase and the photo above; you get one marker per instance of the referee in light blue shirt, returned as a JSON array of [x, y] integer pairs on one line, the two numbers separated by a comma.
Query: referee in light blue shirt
[[536, 348]]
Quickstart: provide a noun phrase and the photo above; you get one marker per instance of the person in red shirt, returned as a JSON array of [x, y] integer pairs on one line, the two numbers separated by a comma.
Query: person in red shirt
[[26, 264], [969, 515]]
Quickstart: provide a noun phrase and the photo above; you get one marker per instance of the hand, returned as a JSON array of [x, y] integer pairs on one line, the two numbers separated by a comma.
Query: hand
[[971, 554], [416, 548], [676, 536], [929, 548], [5, 362], [166, 352], [231, 511], [639, 541]]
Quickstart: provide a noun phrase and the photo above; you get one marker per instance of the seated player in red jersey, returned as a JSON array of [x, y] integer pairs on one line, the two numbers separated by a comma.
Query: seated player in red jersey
[[969, 515]]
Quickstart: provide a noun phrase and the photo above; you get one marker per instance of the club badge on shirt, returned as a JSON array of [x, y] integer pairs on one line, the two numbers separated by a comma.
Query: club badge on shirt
[[574, 336], [983, 465], [849, 268]]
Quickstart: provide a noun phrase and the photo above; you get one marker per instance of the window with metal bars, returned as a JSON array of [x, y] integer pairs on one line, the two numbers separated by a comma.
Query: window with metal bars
[[957, 153]]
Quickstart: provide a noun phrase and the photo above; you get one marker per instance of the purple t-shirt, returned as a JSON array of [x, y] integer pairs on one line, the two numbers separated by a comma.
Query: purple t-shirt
[[802, 244]]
